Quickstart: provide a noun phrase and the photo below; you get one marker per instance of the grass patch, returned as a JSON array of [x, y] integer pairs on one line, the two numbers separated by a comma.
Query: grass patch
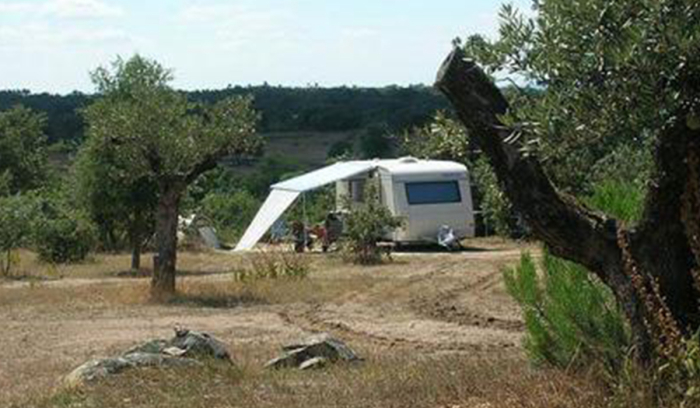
[[382, 381]]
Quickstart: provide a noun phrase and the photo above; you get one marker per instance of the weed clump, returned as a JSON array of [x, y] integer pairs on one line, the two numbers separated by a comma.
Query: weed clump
[[274, 265]]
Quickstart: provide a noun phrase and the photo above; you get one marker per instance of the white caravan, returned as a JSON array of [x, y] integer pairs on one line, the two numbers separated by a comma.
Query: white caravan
[[428, 194]]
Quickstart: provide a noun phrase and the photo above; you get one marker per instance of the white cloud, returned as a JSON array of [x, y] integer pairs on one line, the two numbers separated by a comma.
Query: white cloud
[[236, 25], [37, 36], [80, 9]]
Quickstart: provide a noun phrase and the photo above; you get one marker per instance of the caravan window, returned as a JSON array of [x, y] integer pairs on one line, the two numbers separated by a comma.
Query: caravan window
[[434, 192]]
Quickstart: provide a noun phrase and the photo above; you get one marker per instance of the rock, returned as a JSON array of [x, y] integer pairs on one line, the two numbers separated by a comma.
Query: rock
[[199, 343], [181, 350], [97, 369], [154, 346], [174, 351], [314, 352], [325, 345], [314, 363]]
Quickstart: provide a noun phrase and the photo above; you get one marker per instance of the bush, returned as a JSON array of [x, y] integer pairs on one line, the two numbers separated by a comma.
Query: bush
[[619, 199], [365, 225], [16, 215], [496, 210], [571, 319], [274, 265], [340, 149], [230, 213], [62, 235]]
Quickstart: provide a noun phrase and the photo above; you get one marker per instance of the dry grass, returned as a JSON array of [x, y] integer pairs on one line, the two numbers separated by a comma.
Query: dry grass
[[384, 380], [52, 327], [118, 265]]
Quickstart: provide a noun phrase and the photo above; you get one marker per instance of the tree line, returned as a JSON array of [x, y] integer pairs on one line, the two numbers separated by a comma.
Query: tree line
[[281, 108]]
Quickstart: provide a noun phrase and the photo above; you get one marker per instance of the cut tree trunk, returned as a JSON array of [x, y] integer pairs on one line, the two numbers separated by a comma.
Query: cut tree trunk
[[163, 282], [659, 248]]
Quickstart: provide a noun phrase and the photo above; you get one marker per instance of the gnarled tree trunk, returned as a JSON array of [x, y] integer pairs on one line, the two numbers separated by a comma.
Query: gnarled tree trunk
[[163, 281], [629, 261]]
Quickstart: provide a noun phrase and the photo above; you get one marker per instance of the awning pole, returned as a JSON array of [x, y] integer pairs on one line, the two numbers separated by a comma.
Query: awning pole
[[306, 220]]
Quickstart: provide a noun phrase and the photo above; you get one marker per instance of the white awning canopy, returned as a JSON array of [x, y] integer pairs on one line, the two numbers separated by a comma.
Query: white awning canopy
[[273, 207], [283, 195], [326, 175]]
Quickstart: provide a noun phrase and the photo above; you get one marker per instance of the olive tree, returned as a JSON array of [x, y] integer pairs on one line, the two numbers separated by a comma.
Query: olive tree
[[157, 133], [624, 71]]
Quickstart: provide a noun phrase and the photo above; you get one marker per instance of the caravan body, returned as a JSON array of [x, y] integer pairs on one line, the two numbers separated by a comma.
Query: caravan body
[[427, 194]]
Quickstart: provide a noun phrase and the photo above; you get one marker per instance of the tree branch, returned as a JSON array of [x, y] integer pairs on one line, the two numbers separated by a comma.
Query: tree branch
[[570, 230]]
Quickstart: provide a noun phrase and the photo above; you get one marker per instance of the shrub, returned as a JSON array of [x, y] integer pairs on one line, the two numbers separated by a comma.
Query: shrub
[[340, 149], [230, 213], [63, 235], [571, 319], [274, 265], [623, 200], [365, 225], [16, 214], [496, 210]]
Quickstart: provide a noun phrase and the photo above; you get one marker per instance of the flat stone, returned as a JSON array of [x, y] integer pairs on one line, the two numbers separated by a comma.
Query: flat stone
[[95, 370], [321, 346]]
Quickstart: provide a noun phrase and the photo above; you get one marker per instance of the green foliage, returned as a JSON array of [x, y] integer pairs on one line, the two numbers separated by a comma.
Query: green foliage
[[16, 216], [571, 319], [611, 74], [274, 265], [340, 149], [366, 224], [283, 108], [230, 213], [120, 205], [161, 142], [22, 150], [313, 206], [62, 233], [672, 382], [376, 142], [619, 199], [442, 138], [496, 210], [156, 130]]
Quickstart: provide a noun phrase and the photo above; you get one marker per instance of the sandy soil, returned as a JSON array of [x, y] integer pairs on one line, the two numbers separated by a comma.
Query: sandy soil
[[432, 302]]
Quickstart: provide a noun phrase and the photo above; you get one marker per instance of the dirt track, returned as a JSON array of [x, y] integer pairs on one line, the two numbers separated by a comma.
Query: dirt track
[[434, 302]]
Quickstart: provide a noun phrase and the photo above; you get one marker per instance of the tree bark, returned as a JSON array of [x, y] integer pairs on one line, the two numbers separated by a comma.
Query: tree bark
[[163, 281], [658, 248], [136, 256], [136, 242]]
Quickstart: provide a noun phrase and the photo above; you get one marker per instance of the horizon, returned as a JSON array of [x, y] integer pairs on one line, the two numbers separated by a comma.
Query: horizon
[[50, 46]]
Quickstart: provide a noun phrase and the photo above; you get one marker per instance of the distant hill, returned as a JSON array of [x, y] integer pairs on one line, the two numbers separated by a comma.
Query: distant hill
[[307, 110]]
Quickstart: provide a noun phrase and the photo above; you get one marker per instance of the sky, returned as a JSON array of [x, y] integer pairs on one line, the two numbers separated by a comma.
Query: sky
[[52, 45]]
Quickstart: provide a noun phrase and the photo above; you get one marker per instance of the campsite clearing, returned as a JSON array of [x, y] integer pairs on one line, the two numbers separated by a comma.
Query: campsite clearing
[[438, 323]]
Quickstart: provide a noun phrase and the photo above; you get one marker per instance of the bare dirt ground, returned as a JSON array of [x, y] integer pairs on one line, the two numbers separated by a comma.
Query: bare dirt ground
[[434, 303]]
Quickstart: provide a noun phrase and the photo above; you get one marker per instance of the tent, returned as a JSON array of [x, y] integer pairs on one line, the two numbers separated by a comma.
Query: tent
[[283, 195]]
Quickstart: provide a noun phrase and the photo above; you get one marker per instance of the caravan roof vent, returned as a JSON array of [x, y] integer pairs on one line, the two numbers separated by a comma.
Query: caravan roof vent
[[408, 159]]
